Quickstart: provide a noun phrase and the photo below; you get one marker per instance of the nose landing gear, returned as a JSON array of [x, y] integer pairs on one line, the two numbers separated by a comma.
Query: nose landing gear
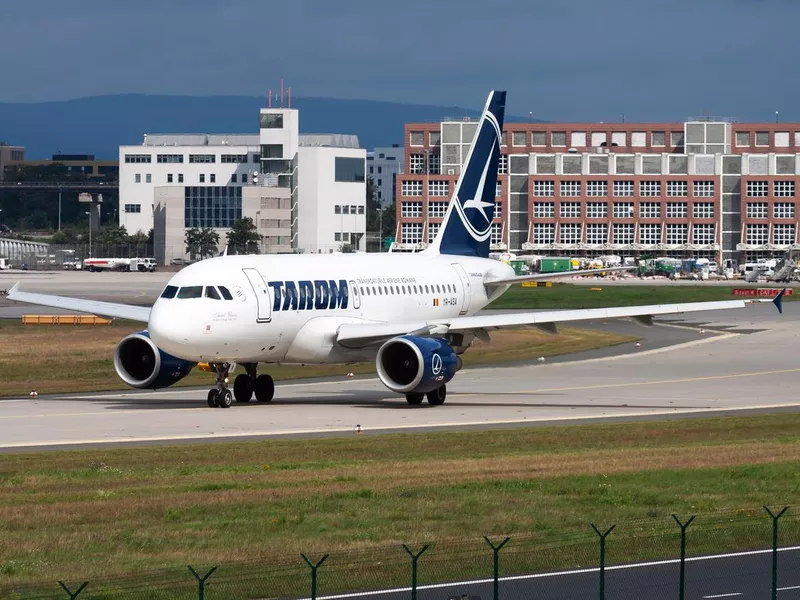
[[244, 386]]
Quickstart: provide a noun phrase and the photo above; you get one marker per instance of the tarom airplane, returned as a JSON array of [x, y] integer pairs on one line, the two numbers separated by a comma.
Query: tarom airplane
[[412, 313]]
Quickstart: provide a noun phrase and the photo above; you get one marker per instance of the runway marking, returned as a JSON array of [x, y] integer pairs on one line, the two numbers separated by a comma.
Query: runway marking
[[200, 437], [786, 589], [559, 574], [725, 595], [664, 381]]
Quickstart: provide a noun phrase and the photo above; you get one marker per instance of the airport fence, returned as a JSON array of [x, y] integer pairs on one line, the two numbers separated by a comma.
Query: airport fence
[[665, 556]]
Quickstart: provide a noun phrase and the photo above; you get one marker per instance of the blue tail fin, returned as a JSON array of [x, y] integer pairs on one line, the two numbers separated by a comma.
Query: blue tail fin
[[467, 226]]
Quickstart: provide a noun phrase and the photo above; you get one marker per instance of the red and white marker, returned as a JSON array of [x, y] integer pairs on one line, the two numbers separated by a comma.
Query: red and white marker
[[34, 394], [358, 428]]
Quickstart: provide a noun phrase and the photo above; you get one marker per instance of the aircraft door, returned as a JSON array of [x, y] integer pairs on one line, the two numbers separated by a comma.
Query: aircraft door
[[355, 295], [465, 286], [263, 301]]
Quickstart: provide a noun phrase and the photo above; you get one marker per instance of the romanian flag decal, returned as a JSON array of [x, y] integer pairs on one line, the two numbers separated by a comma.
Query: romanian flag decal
[[436, 302]]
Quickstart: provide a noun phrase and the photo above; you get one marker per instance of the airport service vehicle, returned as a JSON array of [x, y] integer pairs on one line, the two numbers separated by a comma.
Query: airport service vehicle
[[414, 314], [4, 264], [106, 264]]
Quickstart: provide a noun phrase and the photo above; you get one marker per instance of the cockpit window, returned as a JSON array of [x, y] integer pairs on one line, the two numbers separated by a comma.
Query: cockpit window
[[169, 291], [211, 292], [192, 291], [225, 293]]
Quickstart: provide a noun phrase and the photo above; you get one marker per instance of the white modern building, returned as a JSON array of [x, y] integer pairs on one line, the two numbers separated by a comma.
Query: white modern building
[[383, 165], [305, 193]]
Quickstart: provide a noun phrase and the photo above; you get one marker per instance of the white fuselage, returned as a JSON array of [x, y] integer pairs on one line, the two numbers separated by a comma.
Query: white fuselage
[[287, 308]]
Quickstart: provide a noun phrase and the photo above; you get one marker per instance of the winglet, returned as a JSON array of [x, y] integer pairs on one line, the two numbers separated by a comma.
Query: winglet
[[778, 301], [13, 289]]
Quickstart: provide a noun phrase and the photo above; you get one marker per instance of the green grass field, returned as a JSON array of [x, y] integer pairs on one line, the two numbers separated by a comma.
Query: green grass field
[[564, 295], [100, 513]]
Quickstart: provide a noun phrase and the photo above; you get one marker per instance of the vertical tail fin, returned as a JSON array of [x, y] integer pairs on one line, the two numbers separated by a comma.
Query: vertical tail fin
[[467, 226]]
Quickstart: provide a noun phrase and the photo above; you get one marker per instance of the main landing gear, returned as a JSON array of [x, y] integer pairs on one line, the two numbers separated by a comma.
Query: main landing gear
[[435, 397], [244, 386]]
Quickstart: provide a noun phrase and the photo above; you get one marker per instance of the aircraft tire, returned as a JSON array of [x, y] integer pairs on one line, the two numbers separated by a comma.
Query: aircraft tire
[[242, 388], [415, 399], [225, 398], [212, 398], [437, 396], [264, 388]]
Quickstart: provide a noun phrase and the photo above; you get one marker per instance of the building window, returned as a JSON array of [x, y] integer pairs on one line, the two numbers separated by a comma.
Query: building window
[[658, 138], [498, 189], [676, 138], [742, 138], [757, 189], [348, 169], [597, 188], [438, 188], [677, 210], [497, 234], [138, 158], [502, 166], [677, 189], [703, 189], [417, 138], [436, 210], [235, 158], [411, 233], [170, 158], [202, 158], [623, 210], [256, 159], [361, 209], [169, 178], [148, 178], [757, 210], [233, 178], [337, 237], [558, 138], [133, 208], [411, 188], [783, 210], [434, 139], [137, 178], [783, 235], [596, 233], [433, 231], [518, 138], [570, 189], [544, 189], [570, 233], [180, 177], [703, 233], [213, 207], [538, 138], [570, 210], [498, 210], [410, 209], [650, 189], [345, 209], [337, 209], [596, 210], [434, 164], [677, 233], [762, 138], [213, 178], [784, 189], [544, 233], [650, 233], [623, 233], [202, 178], [757, 234], [703, 210], [544, 210], [416, 164], [649, 210], [271, 121], [623, 189]]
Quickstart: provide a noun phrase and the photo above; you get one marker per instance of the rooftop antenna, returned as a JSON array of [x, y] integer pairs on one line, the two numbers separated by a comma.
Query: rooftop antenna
[[269, 104], [289, 97], [281, 92]]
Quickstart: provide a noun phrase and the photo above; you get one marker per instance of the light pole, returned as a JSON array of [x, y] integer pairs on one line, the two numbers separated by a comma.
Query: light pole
[[59, 209], [89, 213]]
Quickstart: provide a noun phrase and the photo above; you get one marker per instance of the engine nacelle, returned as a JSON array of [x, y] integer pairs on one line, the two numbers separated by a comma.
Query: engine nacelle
[[410, 364], [140, 363]]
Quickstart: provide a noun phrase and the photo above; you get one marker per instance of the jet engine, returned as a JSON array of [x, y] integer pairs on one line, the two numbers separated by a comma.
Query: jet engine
[[410, 364], [140, 363]]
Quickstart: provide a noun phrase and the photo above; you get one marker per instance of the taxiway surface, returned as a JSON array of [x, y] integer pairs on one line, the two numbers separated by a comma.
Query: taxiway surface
[[749, 365]]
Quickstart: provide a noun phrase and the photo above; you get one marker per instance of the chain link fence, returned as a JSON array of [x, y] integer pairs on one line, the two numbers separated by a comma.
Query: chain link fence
[[753, 549]]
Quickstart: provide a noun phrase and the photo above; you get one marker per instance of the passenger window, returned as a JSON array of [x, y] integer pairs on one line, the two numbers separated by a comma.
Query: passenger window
[[438, 290], [193, 291], [402, 287], [426, 289], [211, 292], [169, 291], [380, 291], [362, 291], [225, 293], [367, 290]]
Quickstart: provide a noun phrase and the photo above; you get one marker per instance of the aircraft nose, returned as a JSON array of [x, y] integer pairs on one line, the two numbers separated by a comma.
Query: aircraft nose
[[168, 328]]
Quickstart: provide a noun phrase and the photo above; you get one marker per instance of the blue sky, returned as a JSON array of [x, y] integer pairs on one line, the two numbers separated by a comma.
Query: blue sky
[[559, 59]]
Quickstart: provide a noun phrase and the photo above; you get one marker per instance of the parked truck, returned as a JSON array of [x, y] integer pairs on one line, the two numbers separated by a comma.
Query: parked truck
[[554, 264]]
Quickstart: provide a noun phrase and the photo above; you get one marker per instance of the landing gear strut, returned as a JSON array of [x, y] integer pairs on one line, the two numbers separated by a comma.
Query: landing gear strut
[[435, 398], [221, 396]]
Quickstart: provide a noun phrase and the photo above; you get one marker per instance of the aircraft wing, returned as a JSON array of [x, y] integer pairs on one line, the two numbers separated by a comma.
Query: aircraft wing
[[95, 307], [358, 335], [547, 276]]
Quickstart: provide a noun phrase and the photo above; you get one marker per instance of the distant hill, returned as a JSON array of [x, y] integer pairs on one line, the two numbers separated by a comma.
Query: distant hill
[[99, 124]]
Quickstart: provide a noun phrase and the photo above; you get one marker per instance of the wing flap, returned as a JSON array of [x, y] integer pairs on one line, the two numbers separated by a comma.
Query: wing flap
[[95, 307]]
